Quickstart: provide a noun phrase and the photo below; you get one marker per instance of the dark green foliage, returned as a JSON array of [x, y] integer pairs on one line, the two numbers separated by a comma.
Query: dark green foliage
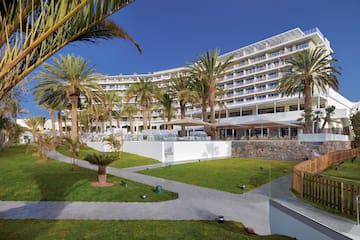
[[355, 123], [102, 159]]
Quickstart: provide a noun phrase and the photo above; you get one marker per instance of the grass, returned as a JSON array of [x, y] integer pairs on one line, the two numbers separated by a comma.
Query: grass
[[23, 178], [226, 174], [126, 159], [92, 229], [347, 170]]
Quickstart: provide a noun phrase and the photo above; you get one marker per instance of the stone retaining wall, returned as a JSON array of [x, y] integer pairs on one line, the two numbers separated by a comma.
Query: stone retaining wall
[[284, 150]]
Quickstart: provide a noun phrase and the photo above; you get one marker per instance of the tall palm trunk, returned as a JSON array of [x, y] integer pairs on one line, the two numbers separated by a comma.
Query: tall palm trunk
[[97, 120], [204, 111], [182, 116], [52, 115], [169, 120], [145, 113], [74, 117], [308, 108], [59, 123], [110, 119], [131, 120], [212, 111]]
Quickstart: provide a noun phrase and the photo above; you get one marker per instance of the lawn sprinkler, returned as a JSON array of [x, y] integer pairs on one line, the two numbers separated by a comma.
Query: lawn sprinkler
[[143, 196], [221, 219]]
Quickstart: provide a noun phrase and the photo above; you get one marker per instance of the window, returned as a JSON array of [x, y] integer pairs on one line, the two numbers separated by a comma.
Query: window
[[261, 97], [273, 75], [260, 68], [262, 57], [302, 46], [272, 85], [240, 73], [280, 109], [261, 77], [239, 91], [293, 107], [247, 112], [239, 100], [234, 114], [239, 82], [261, 87], [250, 90], [273, 95], [249, 99], [250, 80], [250, 70], [266, 110]]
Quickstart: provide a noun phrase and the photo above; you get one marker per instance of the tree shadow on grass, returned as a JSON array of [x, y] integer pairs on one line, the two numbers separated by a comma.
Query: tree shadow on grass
[[54, 188]]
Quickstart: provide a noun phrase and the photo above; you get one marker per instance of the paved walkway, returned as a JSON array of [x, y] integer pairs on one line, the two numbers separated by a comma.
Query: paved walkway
[[199, 203]]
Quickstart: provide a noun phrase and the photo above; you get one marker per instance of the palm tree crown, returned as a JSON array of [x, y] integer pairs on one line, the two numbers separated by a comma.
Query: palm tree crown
[[206, 71], [144, 91], [70, 75], [32, 31], [311, 70]]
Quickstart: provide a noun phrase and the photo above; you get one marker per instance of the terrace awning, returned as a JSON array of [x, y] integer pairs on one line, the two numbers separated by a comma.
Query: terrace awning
[[258, 124], [188, 122]]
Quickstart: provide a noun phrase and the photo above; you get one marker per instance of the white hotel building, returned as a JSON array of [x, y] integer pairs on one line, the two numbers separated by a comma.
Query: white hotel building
[[251, 85]]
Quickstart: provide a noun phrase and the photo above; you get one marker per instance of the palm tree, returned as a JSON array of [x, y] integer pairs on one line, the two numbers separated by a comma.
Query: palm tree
[[130, 110], [144, 91], [206, 70], [117, 116], [74, 149], [311, 70], [114, 143], [109, 99], [34, 124], [72, 75], [52, 99], [183, 87], [101, 160], [166, 101], [32, 31], [329, 111]]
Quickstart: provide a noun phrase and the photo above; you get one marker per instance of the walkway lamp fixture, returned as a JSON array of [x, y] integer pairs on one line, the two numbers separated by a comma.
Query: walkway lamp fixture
[[357, 208]]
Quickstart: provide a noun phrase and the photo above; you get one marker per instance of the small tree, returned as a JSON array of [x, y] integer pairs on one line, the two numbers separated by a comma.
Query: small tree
[[329, 111], [355, 123], [102, 160], [74, 149], [114, 143]]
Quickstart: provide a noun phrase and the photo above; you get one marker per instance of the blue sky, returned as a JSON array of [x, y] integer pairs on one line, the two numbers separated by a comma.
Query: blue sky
[[173, 33]]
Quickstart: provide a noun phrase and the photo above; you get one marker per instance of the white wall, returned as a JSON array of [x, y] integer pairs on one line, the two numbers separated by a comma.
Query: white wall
[[173, 151], [322, 137], [286, 221], [100, 146], [145, 148], [191, 150]]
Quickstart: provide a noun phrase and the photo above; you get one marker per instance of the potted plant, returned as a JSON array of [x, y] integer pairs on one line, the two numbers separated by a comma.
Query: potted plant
[[102, 160]]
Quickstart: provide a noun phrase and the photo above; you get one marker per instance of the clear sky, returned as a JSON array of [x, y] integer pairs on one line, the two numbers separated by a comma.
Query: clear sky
[[173, 33]]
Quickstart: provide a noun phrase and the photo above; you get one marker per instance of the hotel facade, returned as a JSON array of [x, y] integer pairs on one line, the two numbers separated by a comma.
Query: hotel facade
[[251, 88]]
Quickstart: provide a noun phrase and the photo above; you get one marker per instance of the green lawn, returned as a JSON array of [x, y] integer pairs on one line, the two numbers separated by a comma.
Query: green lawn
[[348, 170], [25, 179], [87, 229], [126, 159], [226, 174]]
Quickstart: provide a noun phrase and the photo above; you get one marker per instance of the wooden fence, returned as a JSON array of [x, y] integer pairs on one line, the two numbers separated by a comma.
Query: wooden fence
[[330, 193], [326, 191], [319, 164]]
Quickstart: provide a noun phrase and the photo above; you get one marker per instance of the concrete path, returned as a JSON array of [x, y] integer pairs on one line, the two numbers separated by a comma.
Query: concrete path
[[198, 203]]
